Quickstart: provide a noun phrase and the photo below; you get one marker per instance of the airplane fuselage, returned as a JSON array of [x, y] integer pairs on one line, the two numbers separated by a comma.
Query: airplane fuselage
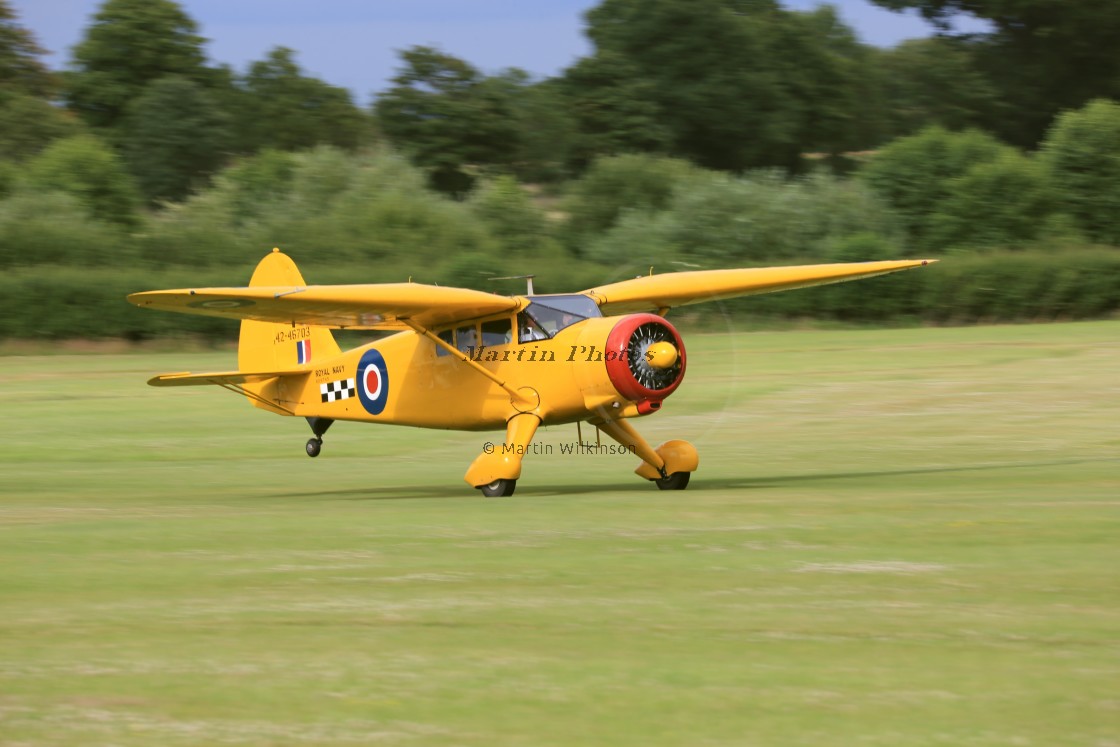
[[408, 379]]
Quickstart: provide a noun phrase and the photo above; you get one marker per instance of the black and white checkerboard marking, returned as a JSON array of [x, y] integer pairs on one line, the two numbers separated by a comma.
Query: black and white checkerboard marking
[[332, 391]]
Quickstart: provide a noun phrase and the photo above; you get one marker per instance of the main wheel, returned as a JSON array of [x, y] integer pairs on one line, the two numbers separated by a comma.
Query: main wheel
[[498, 488], [675, 481], [314, 446]]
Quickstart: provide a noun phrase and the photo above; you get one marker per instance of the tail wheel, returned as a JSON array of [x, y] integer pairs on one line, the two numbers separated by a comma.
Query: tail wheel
[[314, 446]]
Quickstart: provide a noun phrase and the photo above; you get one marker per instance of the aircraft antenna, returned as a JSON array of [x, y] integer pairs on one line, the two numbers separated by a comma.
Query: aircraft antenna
[[527, 278]]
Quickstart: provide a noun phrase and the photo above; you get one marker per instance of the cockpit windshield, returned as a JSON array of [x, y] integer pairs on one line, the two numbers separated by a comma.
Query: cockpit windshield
[[547, 315]]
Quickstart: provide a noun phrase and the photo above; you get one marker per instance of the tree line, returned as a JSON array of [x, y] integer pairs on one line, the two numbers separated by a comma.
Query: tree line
[[698, 133]]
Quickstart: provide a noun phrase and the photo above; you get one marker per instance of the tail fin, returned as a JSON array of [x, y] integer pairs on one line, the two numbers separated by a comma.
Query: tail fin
[[266, 346]]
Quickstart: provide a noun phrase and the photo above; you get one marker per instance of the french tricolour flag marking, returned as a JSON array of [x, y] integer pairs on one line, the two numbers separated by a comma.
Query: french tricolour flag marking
[[303, 351]]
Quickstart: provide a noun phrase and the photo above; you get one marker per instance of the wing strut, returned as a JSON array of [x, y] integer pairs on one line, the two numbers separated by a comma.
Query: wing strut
[[240, 389], [516, 396]]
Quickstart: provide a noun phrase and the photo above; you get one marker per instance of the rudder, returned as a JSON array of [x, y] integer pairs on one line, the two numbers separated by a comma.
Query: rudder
[[268, 346]]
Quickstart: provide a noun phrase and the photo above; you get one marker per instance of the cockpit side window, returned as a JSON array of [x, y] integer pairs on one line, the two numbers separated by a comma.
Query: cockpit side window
[[496, 332], [466, 339], [448, 336]]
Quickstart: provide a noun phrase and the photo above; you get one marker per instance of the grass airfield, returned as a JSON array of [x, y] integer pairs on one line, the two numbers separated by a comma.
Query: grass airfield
[[903, 537]]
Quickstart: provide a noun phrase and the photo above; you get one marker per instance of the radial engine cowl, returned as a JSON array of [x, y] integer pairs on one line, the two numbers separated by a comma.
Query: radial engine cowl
[[645, 359]]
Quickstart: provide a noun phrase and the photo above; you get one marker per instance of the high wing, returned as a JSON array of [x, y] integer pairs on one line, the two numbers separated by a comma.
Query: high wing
[[683, 288], [380, 306]]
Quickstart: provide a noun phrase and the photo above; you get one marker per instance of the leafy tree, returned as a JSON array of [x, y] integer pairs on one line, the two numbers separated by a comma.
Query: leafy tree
[[614, 110], [547, 132], [719, 220], [130, 44], [28, 124], [88, 169], [448, 117], [1042, 55], [913, 174], [616, 184], [829, 79], [282, 108], [174, 137], [257, 182], [56, 230], [507, 210], [1002, 203], [714, 72], [1082, 155], [934, 81], [20, 69], [735, 84], [7, 178]]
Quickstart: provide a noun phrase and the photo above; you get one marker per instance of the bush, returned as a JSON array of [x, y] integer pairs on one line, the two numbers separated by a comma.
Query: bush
[[372, 224], [1005, 202], [255, 184], [330, 207], [1077, 283], [91, 304], [508, 213], [1082, 155], [617, 184], [919, 177], [88, 169], [203, 231], [716, 220], [1082, 283], [53, 228]]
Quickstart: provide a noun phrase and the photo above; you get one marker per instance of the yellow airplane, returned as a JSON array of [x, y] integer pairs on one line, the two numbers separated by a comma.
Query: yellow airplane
[[475, 361]]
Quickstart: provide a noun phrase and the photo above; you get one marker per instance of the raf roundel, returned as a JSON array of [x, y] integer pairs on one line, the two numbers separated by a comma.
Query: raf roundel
[[373, 382]]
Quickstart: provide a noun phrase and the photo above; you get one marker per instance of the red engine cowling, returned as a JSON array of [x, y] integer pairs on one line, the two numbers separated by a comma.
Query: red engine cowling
[[628, 360]]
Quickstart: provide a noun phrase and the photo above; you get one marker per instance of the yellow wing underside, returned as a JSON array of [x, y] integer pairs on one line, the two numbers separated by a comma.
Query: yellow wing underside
[[684, 288], [335, 306]]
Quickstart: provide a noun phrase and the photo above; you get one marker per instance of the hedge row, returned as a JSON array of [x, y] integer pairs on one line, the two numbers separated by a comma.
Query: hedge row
[[965, 289], [46, 303]]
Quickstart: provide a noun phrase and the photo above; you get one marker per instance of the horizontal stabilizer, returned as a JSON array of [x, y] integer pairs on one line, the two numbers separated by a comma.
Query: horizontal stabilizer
[[222, 378]]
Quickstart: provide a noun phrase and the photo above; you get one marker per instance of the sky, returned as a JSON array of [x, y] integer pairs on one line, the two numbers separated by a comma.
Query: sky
[[354, 43]]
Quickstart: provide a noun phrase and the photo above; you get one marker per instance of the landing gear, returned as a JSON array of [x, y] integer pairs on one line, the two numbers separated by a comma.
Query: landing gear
[[498, 488], [318, 427], [496, 469], [675, 481], [669, 465]]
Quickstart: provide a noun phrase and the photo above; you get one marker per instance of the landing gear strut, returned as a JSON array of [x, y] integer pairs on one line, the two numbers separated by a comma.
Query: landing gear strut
[[495, 471], [668, 466]]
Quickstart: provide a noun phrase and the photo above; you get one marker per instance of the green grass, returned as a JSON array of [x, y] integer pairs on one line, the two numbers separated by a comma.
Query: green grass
[[904, 537]]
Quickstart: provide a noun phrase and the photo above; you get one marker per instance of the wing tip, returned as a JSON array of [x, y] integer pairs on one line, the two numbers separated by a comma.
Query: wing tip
[[162, 379]]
